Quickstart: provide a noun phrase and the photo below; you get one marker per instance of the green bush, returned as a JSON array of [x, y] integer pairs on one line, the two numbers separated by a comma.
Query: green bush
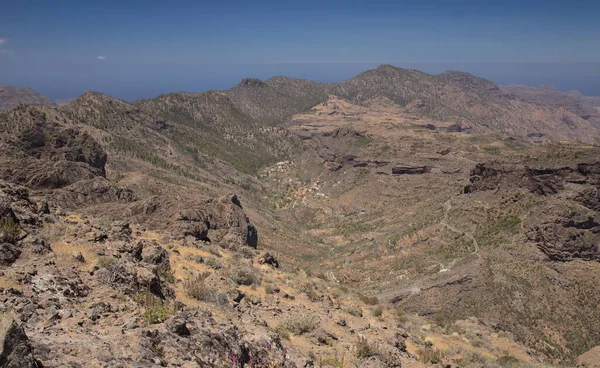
[[156, 314], [282, 332]]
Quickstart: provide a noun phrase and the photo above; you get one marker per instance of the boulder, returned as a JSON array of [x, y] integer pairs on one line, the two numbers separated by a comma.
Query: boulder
[[177, 325], [155, 255], [17, 351], [9, 253], [269, 259]]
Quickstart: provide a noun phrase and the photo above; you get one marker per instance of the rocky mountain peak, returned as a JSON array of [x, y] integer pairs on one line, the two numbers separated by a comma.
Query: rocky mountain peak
[[251, 82]]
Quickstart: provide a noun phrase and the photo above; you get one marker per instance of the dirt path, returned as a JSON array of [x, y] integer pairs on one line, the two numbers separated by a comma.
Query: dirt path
[[415, 288], [444, 222]]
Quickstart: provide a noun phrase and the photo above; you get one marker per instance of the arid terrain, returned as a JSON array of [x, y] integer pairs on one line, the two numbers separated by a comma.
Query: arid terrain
[[393, 219]]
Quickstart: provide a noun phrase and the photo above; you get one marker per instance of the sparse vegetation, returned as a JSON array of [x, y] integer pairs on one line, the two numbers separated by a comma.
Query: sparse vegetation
[[377, 312], [106, 261], [166, 274], [401, 315], [196, 288], [301, 323], [309, 289], [364, 348], [10, 229], [245, 276], [282, 332], [431, 355], [368, 300], [356, 311], [156, 314], [333, 361]]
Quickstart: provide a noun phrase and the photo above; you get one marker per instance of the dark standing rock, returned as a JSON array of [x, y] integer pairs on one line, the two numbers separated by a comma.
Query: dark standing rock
[[44, 208], [252, 236], [9, 253]]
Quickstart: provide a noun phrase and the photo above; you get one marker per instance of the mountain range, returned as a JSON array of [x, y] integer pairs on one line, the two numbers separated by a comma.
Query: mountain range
[[393, 219]]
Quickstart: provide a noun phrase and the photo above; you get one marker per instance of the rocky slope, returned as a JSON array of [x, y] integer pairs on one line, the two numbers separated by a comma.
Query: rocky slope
[[456, 99], [586, 107], [273, 101], [11, 96]]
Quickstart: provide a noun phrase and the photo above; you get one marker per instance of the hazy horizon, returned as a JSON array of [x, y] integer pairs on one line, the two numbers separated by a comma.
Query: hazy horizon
[[584, 77]]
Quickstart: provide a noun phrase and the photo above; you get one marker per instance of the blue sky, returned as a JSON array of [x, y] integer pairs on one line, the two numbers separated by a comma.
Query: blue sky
[[137, 49]]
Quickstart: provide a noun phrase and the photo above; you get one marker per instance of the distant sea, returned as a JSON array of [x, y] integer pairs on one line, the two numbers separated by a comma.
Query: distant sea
[[132, 82]]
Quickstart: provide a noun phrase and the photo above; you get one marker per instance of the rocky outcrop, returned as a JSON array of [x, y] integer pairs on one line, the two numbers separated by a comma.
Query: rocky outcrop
[[251, 82], [269, 259], [18, 215], [410, 170], [541, 181], [219, 221], [39, 152], [17, 351], [91, 191], [571, 235]]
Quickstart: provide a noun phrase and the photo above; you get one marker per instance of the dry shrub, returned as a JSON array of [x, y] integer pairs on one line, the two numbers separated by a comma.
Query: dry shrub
[[10, 229], [310, 289], [364, 349], [195, 287], [368, 300], [245, 276], [377, 312], [354, 311], [301, 323], [431, 355]]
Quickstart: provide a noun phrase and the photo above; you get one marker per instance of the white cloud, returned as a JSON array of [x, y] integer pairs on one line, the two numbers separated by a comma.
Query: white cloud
[[101, 58], [4, 51]]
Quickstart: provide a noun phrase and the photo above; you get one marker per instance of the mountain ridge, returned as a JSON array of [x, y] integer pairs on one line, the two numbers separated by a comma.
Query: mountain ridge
[[12, 96]]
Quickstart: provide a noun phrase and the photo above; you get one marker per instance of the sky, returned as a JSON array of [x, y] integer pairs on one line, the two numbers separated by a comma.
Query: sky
[[139, 49]]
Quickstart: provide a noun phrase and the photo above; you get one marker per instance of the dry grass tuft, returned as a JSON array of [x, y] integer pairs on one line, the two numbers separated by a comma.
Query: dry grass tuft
[[196, 288]]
